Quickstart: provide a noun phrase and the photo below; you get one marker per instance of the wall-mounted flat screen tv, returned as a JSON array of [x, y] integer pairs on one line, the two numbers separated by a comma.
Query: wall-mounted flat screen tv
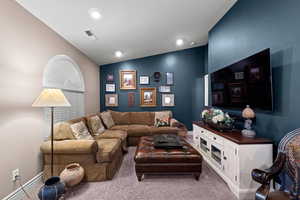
[[247, 82]]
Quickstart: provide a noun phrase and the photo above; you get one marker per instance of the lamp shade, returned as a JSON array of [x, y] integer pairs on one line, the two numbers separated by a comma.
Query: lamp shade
[[51, 98], [248, 112]]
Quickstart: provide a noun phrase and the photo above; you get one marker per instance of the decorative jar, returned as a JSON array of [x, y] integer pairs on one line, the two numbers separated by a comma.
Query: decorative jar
[[72, 174]]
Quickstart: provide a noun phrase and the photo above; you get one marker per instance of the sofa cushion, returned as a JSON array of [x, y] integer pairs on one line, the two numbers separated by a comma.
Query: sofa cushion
[[164, 130], [80, 131], [62, 131], [119, 134], [107, 119], [142, 118], [120, 127], [138, 130], [108, 149], [95, 125], [120, 118]]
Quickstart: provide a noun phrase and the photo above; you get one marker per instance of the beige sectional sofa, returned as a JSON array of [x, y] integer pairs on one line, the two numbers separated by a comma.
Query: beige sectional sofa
[[101, 155]]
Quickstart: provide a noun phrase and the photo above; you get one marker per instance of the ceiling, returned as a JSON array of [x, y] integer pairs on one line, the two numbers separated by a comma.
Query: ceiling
[[138, 28]]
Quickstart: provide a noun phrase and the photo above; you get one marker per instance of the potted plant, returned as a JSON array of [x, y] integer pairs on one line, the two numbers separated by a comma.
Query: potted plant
[[217, 119]]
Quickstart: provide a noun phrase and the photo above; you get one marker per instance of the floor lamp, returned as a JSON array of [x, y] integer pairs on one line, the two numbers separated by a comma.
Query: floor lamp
[[51, 98]]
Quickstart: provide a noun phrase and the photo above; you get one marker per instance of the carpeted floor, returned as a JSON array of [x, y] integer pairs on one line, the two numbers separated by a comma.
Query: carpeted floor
[[125, 186]]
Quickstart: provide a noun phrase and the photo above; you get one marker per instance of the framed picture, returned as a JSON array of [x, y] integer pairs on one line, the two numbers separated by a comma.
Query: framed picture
[[110, 87], [164, 89], [111, 100], [131, 98], [144, 80], [128, 79], [255, 73], [170, 78], [218, 98], [110, 77], [168, 100], [148, 97], [236, 92]]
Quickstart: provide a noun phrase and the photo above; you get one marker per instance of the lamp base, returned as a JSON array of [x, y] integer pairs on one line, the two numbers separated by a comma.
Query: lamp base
[[248, 133]]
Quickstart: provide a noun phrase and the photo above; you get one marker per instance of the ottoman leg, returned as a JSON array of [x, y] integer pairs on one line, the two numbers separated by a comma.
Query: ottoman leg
[[139, 176], [197, 175]]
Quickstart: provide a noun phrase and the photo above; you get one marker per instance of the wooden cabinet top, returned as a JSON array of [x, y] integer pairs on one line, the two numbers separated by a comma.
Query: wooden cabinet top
[[235, 136]]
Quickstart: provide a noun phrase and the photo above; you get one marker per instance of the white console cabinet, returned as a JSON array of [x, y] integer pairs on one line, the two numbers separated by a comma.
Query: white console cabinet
[[233, 157]]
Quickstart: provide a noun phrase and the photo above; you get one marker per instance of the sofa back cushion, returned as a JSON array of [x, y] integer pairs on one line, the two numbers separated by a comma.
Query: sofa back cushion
[[62, 131], [95, 125], [107, 119], [143, 118], [121, 118]]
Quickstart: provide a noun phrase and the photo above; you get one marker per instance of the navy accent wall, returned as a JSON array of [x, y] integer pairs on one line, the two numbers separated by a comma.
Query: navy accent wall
[[188, 68], [251, 26]]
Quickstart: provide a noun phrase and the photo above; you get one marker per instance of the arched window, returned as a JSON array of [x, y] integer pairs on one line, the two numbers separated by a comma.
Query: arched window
[[64, 73]]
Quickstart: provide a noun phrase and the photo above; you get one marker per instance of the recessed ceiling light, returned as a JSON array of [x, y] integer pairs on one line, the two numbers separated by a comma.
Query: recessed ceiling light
[[179, 42], [118, 54], [193, 43], [94, 13]]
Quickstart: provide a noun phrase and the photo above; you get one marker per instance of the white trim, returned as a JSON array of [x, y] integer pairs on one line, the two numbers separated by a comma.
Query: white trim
[[29, 187], [206, 88]]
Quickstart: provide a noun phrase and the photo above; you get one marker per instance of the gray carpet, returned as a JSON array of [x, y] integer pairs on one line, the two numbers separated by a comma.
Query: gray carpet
[[125, 186]]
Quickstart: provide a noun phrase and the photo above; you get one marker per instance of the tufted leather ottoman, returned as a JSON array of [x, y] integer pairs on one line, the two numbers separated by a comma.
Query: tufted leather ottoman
[[149, 160]]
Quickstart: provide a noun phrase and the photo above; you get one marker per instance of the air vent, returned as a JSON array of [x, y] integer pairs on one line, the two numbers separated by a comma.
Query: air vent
[[90, 35]]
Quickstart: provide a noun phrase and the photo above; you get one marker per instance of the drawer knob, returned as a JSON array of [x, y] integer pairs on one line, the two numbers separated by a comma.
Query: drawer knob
[[225, 158], [215, 138]]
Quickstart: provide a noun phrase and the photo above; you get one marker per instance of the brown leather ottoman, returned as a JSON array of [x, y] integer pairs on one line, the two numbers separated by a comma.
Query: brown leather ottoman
[[149, 160]]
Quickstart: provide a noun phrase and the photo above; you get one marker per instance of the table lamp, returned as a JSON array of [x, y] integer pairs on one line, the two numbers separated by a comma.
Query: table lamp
[[248, 114], [51, 98]]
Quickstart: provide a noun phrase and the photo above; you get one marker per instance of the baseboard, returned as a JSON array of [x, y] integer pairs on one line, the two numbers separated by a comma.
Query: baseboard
[[29, 187]]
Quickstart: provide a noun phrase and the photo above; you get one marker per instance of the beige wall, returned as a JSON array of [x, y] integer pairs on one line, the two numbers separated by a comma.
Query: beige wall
[[26, 44]]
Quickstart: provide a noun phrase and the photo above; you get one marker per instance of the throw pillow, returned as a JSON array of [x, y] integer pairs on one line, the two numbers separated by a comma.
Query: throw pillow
[[62, 131], [162, 116], [107, 119], [162, 122], [95, 125], [80, 131]]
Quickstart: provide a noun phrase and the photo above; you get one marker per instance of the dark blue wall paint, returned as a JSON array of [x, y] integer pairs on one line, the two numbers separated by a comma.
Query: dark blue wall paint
[[188, 68], [251, 26]]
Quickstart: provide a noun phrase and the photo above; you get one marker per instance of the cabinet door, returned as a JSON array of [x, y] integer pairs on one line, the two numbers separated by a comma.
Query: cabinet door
[[230, 162]]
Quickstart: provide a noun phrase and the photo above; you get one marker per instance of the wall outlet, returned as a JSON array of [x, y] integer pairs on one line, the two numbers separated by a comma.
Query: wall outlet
[[15, 174]]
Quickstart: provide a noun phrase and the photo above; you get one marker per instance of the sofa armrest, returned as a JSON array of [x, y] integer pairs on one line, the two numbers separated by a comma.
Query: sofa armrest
[[70, 147], [177, 124]]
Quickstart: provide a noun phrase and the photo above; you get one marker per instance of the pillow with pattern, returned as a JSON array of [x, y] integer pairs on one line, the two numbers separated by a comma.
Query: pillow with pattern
[[162, 122], [95, 125], [80, 131], [107, 119]]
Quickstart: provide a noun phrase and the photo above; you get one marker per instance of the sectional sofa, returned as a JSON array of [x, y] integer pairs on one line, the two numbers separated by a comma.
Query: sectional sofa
[[106, 139]]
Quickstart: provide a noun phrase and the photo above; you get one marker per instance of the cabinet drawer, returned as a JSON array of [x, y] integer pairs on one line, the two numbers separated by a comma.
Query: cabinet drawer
[[217, 139]]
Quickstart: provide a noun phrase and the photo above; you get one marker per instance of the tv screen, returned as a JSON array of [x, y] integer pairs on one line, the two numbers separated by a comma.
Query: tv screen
[[247, 82]]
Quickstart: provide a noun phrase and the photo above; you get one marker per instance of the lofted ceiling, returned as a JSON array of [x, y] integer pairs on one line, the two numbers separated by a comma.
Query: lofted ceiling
[[138, 28]]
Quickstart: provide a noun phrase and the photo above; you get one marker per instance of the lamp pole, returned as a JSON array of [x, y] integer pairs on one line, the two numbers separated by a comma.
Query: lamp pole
[[52, 110]]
